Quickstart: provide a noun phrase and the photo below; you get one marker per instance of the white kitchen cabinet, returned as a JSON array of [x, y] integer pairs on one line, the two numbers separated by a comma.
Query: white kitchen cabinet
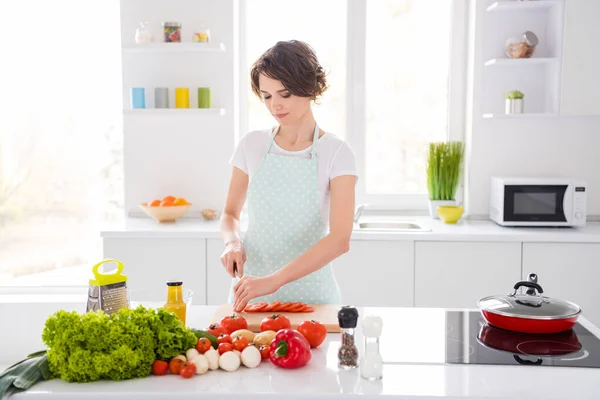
[[568, 271], [150, 262], [217, 280], [377, 273], [458, 274]]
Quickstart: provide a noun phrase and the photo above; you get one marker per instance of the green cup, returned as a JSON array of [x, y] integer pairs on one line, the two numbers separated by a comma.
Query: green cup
[[203, 97]]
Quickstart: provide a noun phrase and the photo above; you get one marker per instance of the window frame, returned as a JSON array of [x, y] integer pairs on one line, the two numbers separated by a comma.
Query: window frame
[[356, 95]]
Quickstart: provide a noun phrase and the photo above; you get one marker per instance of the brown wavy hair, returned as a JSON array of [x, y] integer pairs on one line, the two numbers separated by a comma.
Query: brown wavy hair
[[293, 63]]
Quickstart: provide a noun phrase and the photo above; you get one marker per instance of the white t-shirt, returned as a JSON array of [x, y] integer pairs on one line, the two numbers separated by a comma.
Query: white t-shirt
[[335, 158]]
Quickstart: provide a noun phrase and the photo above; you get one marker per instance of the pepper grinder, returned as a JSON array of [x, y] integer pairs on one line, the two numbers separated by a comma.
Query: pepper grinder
[[348, 353], [371, 365]]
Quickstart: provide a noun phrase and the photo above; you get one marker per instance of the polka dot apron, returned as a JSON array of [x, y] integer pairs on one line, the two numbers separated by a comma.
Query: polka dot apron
[[284, 222]]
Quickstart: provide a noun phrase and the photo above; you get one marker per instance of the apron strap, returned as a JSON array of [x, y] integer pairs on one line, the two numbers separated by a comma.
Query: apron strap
[[313, 150], [271, 141]]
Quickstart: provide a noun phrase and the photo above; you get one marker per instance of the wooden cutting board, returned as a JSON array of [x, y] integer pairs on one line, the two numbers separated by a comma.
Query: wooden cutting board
[[324, 313]]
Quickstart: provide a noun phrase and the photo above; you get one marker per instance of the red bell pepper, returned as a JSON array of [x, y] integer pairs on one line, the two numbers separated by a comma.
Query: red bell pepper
[[289, 349]]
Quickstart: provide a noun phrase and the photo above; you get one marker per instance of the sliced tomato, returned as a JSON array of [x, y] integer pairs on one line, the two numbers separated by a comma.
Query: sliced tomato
[[255, 307], [282, 306], [300, 308], [271, 307], [308, 309]]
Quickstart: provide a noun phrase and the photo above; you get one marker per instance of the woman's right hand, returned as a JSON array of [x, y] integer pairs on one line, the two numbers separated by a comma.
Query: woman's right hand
[[234, 255]]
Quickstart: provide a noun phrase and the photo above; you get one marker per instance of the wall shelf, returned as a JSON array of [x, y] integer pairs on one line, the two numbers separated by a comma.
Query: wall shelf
[[205, 112], [524, 115], [513, 62], [522, 5], [175, 48]]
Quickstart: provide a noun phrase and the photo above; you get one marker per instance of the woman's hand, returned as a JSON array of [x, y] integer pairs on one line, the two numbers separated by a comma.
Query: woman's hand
[[234, 255], [250, 287]]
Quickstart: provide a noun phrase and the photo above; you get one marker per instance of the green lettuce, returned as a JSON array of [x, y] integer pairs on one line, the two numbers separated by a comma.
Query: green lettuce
[[94, 346]]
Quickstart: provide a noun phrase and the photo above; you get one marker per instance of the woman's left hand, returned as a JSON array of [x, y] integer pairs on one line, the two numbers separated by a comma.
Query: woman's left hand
[[250, 287]]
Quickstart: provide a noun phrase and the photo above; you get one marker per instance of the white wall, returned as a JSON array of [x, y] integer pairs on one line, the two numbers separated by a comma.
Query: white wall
[[564, 146]]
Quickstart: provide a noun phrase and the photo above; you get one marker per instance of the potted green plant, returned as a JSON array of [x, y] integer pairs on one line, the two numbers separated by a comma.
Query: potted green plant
[[444, 162], [513, 102]]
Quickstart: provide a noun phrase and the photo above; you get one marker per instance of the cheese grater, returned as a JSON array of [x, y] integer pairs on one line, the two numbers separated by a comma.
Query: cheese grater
[[108, 292]]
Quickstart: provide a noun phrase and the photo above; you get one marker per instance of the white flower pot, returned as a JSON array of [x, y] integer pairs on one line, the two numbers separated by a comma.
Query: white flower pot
[[514, 106], [434, 204]]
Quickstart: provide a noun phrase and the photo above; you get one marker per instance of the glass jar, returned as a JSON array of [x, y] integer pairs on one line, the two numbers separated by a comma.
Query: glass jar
[[172, 32], [142, 34], [522, 46], [201, 35]]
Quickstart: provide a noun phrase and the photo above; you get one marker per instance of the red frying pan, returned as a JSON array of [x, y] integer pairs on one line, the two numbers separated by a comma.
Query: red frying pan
[[529, 312]]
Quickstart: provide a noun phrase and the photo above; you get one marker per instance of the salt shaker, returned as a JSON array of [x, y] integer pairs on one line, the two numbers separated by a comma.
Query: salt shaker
[[347, 353], [371, 365]]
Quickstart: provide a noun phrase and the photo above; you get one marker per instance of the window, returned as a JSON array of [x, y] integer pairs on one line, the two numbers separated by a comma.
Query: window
[[322, 24], [396, 67], [60, 149]]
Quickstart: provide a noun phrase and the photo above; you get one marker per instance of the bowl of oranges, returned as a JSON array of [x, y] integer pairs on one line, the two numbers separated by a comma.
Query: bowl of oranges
[[168, 209]]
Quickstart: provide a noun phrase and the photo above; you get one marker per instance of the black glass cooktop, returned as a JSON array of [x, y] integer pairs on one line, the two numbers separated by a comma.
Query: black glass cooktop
[[463, 337], [484, 344]]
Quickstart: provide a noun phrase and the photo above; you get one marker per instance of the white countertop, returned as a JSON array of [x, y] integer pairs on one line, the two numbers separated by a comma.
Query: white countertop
[[465, 230], [321, 378]]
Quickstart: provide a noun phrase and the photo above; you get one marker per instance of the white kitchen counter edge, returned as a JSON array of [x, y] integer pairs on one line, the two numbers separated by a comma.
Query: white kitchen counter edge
[[480, 231]]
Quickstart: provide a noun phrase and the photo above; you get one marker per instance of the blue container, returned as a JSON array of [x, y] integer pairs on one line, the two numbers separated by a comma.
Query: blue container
[[138, 97]]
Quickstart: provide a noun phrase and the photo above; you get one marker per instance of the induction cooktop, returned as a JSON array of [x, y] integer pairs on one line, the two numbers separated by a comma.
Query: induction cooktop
[[464, 337]]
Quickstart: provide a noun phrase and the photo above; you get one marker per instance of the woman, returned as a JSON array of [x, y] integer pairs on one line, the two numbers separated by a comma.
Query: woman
[[292, 176]]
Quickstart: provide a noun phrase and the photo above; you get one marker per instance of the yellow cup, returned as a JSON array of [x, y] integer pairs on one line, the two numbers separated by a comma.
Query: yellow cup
[[182, 98]]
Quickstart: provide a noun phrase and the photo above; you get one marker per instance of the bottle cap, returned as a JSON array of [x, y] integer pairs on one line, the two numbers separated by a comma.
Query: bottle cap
[[372, 326], [347, 317], [174, 283]]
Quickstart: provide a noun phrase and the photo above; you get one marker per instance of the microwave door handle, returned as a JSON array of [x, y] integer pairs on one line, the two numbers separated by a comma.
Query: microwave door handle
[[568, 203]]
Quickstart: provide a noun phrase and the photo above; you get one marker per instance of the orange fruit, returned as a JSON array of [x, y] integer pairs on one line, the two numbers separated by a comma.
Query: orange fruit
[[169, 198], [166, 203], [180, 201], [154, 203]]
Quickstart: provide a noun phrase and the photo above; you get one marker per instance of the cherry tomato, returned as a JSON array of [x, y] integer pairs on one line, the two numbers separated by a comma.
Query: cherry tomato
[[224, 339], [175, 365], [232, 323], [215, 330], [188, 369], [240, 343], [160, 367], [314, 331], [274, 323], [224, 348], [264, 352], [203, 345]]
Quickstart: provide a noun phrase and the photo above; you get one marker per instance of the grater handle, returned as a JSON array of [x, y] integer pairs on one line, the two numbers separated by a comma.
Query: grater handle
[[98, 274]]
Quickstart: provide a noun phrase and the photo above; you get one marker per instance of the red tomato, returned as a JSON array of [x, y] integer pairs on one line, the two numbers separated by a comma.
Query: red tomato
[[175, 365], [160, 367], [224, 348], [203, 345], [314, 331], [240, 343], [274, 323], [224, 339], [264, 352], [215, 330], [188, 369], [232, 323]]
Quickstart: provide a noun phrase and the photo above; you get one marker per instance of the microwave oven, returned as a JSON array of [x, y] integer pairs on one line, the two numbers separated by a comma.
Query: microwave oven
[[521, 201]]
